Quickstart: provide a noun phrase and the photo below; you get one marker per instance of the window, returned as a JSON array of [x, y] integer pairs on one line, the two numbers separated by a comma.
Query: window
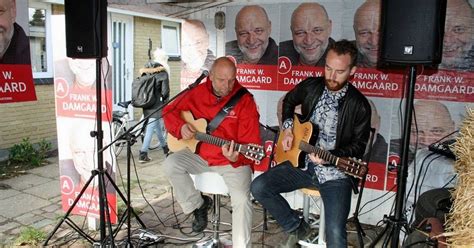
[[40, 40], [170, 39]]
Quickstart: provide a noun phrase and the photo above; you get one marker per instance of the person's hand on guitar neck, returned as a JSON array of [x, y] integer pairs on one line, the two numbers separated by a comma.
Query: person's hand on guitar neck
[[287, 143], [187, 131], [229, 152], [316, 159]]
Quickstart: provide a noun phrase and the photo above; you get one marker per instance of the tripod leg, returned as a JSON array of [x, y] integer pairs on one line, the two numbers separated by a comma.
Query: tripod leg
[[380, 235], [125, 201], [106, 206], [78, 197], [360, 232]]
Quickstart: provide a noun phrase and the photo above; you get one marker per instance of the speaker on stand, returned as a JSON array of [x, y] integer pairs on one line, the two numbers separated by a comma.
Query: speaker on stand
[[86, 28], [412, 34]]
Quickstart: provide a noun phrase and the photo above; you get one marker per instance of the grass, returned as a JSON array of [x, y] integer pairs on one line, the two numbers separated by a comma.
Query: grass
[[9, 171], [30, 236]]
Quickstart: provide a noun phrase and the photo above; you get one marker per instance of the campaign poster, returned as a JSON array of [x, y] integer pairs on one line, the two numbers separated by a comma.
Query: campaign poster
[[75, 86], [16, 76]]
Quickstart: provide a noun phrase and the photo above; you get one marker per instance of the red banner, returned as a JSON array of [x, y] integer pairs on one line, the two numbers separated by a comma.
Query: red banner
[[88, 203], [79, 102], [16, 83], [257, 77], [289, 75]]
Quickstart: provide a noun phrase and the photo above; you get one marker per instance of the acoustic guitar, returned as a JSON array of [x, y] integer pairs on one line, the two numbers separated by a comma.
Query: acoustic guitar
[[304, 136], [251, 151]]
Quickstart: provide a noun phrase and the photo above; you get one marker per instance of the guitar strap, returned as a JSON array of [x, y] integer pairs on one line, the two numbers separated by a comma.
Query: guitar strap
[[229, 105]]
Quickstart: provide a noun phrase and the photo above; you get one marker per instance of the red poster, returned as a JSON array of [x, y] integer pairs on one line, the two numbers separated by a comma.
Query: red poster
[[257, 77], [444, 85], [372, 82], [16, 83], [290, 75]]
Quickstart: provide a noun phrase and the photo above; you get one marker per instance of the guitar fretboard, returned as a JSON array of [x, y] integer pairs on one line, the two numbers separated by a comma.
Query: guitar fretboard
[[213, 140], [327, 156]]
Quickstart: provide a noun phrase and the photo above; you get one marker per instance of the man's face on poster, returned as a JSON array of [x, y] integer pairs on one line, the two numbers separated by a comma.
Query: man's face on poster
[[195, 45], [366, 29], [253, 32], [458, 33], [7, 18], [84, 71], [434, 123], [310, 29]]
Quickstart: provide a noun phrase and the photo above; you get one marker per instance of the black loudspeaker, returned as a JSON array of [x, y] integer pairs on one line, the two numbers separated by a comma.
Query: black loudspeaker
[[86, 28], [412, 31]]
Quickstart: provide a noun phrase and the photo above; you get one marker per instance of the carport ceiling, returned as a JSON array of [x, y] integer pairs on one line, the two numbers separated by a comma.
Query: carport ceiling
[[175, 9]]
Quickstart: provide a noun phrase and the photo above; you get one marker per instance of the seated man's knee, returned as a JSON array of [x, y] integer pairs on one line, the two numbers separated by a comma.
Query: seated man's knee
[[258, 187], [169, 164]]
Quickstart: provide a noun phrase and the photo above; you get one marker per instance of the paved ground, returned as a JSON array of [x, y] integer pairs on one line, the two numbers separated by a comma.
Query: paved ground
[[33, 200]]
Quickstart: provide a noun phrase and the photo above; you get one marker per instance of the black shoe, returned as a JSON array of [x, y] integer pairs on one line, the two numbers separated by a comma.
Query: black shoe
[[303, 232], [143, 157], [200, 215], [166, 150]]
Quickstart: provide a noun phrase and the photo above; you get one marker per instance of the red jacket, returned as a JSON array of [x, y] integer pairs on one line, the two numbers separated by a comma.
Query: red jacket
[[240, 125]]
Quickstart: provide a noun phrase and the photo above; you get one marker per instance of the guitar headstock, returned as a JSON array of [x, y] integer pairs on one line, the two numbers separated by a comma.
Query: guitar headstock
[[354, 167], [253, 152]]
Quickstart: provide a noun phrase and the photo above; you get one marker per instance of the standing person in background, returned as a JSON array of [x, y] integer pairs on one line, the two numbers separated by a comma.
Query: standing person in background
[[254, 44], [367, 31], [158, 72], [14, 44], [240, 125], [458, 52], [195, 54], [310, 29], [342, 115]]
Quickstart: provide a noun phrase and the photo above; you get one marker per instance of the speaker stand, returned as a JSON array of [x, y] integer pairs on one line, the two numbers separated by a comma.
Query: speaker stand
[[395, 223]]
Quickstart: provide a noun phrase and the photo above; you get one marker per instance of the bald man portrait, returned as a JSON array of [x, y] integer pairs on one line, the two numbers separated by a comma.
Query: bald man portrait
[[366, 29], [434, 123], [310, 30], [14, 44], [458, 52], [254, 44], [195, 53]]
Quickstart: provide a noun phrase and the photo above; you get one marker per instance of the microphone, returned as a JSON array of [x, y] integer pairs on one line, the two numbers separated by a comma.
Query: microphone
[[199, 79]]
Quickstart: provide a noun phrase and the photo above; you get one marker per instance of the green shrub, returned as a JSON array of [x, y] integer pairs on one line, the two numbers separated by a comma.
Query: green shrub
[[27, 153]]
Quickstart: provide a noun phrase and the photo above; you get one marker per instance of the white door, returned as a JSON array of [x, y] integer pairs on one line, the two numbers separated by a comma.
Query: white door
[[121, 49]]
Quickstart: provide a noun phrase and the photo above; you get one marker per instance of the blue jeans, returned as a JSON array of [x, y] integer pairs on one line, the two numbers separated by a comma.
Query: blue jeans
[[154, 126], [336, 196]]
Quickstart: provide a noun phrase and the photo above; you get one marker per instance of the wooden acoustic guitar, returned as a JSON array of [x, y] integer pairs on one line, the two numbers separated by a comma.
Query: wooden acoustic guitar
[[250, 151], [305, 135]]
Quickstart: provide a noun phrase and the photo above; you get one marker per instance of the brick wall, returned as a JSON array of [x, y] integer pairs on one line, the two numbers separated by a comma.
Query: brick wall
[[35, 120]]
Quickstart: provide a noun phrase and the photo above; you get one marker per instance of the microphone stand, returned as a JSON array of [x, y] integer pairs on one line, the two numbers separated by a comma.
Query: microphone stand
[[131, 138]]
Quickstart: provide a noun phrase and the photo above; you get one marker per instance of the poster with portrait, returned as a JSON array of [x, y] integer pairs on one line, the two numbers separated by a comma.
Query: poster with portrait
[[302, 31], [16, 76], [75, 86], [198, 50]]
